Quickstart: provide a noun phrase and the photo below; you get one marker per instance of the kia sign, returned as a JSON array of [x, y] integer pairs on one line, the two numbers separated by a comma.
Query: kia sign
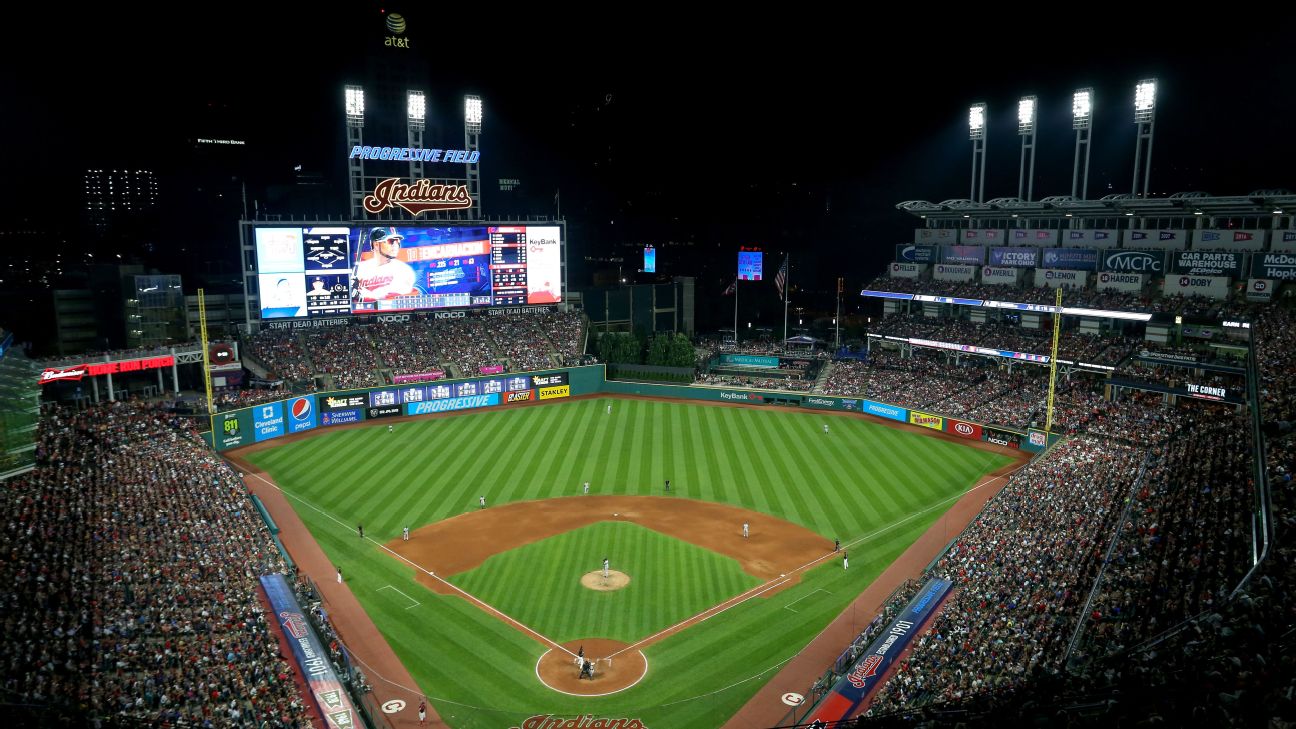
[[963, 428], [1122, 261], [301, 414]]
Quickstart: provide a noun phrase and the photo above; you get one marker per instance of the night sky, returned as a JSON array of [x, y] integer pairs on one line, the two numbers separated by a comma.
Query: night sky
[[799, 136]]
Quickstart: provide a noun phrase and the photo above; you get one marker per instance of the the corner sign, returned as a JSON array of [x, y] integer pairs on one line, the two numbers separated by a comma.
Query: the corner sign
[[416, 198]]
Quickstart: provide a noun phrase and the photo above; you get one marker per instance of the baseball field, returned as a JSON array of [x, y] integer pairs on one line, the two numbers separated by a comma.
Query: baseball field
[[487, 607]]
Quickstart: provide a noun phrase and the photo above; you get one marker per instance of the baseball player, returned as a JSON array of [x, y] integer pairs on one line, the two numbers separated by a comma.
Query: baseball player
[[668, 485], [339, 569], [391, 428], [360, 530], [605, 568], [481, 502], [845, 560], [744, 530], [422, 711], [825, 429], [383, 275], [609, 412], [836, 545], [405, 534], [587, 488]]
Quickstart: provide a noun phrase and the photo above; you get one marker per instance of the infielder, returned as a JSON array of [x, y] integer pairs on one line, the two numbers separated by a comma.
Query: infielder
[[587, 488], [744, 530], [405, 534], [605, 568]]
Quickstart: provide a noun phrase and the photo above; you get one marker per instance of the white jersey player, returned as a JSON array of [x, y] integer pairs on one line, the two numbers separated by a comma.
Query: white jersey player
[[384, 275]]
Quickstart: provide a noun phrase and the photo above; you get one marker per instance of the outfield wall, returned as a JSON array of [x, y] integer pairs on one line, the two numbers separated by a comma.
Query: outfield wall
[[259, 423]]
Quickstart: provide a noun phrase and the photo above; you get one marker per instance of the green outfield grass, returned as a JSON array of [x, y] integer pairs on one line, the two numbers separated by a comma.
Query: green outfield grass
[[862, 482], [671, 580]]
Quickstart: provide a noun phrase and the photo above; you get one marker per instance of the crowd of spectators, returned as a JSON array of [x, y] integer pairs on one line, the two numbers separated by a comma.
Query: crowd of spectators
[[233, 398], [405, 348], [345, 353], [132, 555], [282, 352]]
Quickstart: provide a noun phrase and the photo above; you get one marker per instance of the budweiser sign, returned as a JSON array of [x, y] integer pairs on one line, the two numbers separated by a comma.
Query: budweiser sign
[[53, 374], [416, 198]]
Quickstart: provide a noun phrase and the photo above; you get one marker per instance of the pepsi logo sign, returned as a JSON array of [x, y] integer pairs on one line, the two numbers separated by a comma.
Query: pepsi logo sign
[[300, 409]]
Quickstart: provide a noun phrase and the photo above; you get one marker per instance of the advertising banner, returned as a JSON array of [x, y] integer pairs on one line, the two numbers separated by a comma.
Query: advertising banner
[[452, 403], [313, 662], [1127, 261], [523, 396], [1129, 282], [301, 414], [909, 253], [491, 369], [1098, 238], [1075, 259], [342, 407], [948, 272], [1281, 266], [429, 376], [1260, 289], [267, 421], [882, 410], [749, 360], [867, 673], [1210, 263], [999, 436], [1216, 287], [1229, 240], [829, 403], [557, 378], [552, 393], [926, 420], [907, 270], [1015, 257], [999, 275], [1169, 240], [963, 429], [935, 235], [1284, 241], [1038, 438], [1053, 278], [968, 255], [233, 429], [342, 416], [1030, 237]]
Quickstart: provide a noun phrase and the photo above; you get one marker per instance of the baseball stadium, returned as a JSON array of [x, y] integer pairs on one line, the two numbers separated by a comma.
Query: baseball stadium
[[1045, 477]]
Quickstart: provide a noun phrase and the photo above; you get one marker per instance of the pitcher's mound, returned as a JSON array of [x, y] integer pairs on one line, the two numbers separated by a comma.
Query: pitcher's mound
[[614, 581]]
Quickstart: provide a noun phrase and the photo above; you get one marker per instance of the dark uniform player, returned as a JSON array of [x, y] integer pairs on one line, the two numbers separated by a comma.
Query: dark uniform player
[[668, 485]]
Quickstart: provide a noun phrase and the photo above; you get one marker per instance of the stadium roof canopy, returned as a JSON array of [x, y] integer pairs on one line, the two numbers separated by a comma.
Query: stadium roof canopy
[[1259, 203]]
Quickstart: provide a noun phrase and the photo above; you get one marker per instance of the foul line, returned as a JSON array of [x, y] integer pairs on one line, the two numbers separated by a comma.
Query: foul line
[[489, 608], [407, 597], [799, 599]]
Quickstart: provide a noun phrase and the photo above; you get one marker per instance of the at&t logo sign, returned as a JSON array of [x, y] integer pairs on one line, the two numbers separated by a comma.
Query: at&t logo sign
[[396, 25]]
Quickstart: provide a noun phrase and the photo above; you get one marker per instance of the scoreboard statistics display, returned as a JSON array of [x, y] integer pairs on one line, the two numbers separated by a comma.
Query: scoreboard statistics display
[[406, 268], [327, 271], [750, 265], [303, 272]]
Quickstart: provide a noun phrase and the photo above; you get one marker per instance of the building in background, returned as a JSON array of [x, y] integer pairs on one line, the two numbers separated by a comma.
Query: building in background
[[646, 308], [113, 197]]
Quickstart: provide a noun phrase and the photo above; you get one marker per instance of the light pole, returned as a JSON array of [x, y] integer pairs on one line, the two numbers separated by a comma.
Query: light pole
[[1145, 119], [976, 132], [1081, 122], [1026, 130]]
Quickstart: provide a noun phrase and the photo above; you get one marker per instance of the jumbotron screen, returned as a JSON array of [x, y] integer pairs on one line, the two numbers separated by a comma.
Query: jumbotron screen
[[303, 272], [308, 272], [404, 268]]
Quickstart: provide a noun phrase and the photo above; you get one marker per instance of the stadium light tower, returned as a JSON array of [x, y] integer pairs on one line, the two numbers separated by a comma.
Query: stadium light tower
[[472, 143], [1081, 122], [1026, 130], [976, 132], [1145, 118], [416, 113], [354, 98]]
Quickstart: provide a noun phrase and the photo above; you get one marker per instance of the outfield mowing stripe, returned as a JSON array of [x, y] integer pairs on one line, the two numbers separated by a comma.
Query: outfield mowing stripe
[[736, 449], [554, 473], [554, 433], [812, 496], [771, 486], [449, 490], [576, 470]]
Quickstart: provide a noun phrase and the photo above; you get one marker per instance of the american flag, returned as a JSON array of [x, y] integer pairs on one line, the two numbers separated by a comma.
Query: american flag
[[780, 278], [732, 287]]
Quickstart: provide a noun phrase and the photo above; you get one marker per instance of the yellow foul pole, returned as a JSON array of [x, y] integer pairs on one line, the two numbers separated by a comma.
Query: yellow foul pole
[[1053, 361], [202, 329]]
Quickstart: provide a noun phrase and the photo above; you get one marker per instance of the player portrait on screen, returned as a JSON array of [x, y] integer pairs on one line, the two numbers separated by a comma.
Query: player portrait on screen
[[380, 273]]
